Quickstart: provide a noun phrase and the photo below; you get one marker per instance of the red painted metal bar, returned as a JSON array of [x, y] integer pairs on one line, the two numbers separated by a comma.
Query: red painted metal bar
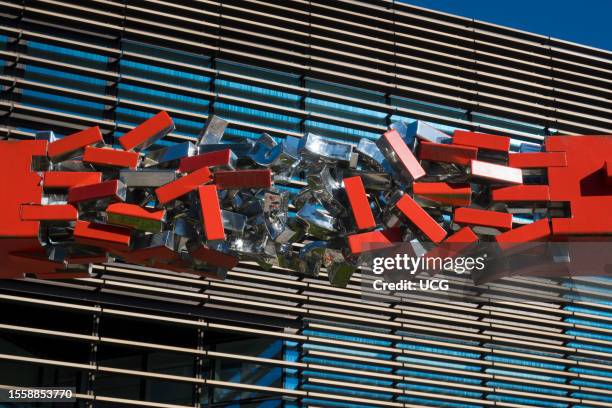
[[373, 240], [35, 212], [148, 132], [182, 186], [67, 179], [211, 212], [521, 193], [106, 189], [447, 153], [445, 193], [110, 157], [420, 218], [219, 158], [214, 257], [73, 144], [484, 218], [237, 179], [537, 160], [536, 231], [105, 236], [481, 140], [399, 155], [362, 213]]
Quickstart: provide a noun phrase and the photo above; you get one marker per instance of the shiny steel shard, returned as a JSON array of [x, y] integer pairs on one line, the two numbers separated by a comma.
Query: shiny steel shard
[[202, 207]]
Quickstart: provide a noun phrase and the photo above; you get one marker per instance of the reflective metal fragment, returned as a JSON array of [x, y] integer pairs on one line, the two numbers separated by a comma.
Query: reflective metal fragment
[[319, 148], [321, 224], [426, 132], [166, 156], [149, 178], [213, 131]]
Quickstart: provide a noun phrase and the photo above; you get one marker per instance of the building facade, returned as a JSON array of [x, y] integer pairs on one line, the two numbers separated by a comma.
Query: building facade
[[132, 336]]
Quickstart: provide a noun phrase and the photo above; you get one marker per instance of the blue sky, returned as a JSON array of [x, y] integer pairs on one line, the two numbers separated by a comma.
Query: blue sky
[[587, 22]]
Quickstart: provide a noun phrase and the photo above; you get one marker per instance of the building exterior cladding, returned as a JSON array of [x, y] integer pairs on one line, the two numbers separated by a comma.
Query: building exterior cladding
[[134, 336]]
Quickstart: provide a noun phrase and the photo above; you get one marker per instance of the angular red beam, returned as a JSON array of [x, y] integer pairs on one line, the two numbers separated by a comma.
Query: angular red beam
[[182, 186], [362, 213], [373, 240], [73, 144], [481, 140], [420, 218], [219, 158], [399, 155], [214, 258], [447, 153], [237, 179], [536, 231], [61, 212], [106, 189], [211, 212], [522, 193], [110, 157], [445, 193], [148, 132], [483, 218], [67, 179], [109, 237], [537, 160]]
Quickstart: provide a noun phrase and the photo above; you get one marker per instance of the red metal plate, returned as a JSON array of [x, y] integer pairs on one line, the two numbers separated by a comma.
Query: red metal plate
[[69, 145], [537, 160], [358, 200], [484, 218], [63, 275], [211, 212], [153, 128], [110, 157], [420, 218], [219, 158], [237, 179], [33, 261], [87, 259], [454, 244], [522, 193], [24, 185], [373, 240], [109, 237], [581, 184], [447, 153], [481, 140], [67, 179], [96, 191], [35, 212], [406, 159], [214, 257], [464, 236], [159, 257], [536, 231], [183, 185], [445, 193]]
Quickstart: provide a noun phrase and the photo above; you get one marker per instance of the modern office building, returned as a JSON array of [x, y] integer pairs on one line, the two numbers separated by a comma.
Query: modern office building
[[133, 336]]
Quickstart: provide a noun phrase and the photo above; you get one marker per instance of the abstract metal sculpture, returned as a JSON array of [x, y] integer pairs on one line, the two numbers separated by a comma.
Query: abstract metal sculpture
[[201, 208]]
